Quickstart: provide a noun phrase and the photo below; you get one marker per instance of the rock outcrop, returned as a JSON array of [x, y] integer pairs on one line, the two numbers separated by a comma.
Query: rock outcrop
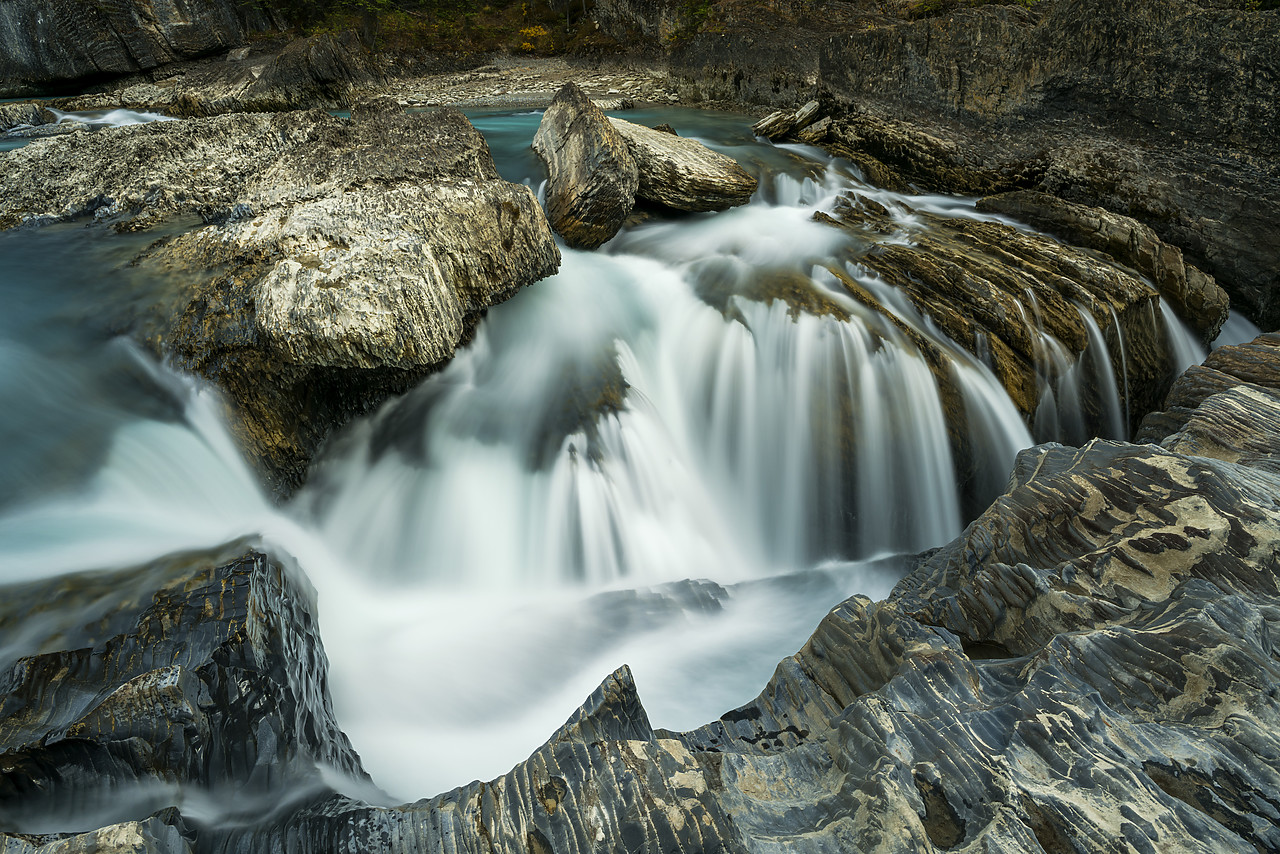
[[1165, 112], [323, 70], [1195, 296], [684, 174], [54, 46], [343, 259], [200, 670], [1089, 666], [592, 176], [1028, 306]]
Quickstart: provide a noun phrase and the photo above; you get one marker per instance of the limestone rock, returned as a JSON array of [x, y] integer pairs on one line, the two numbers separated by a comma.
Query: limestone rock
[[593, 176], [781, 124], [1196, 296], [344, 259], [683, 173], [162, 834]]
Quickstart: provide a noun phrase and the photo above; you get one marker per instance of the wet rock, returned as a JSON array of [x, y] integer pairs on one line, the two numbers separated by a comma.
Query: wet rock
[[343, 259], [26, 114], [1254, 367], [683, 173], [1019, 301], [121, 688], [593, 176], [781, 124], [64, 43], [1195, 296]]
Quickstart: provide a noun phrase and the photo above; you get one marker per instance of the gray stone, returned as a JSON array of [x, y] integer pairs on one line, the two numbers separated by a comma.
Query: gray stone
[[593, 176], [344, 259], [683, 173]]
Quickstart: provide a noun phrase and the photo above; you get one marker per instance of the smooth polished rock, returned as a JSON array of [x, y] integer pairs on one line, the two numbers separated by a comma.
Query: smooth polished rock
[[683, 173]]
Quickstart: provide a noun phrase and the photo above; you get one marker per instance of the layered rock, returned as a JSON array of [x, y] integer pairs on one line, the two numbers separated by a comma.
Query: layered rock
[[1195, 296], [323, 70], [344, 259], [1019, 301], [684, 174], [199, 670], [1089, 666], [57, 45], [593, 178]]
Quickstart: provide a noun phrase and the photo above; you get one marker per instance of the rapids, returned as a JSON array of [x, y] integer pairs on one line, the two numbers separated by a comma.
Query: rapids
[[640, 460]]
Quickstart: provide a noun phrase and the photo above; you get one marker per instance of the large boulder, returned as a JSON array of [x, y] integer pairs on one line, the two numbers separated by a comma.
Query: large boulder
[[683, 173], [1195, 296], [48, 46], [343, 259], [592, 175]]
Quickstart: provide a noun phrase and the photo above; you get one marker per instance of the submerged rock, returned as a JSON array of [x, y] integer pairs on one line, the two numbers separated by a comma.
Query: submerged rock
[[683, 173], [343, 261], [593, 176]]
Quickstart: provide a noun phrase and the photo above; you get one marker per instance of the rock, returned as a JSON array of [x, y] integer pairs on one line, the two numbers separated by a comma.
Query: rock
[[593, 176], [239, 54], [161, 834], [343, 261], [1254, 367], [199, 670], [1016, 300], [41, 131], [782, 123], [683, 173], [31, 113], [62, 44], [815, 133], [1195, 296]]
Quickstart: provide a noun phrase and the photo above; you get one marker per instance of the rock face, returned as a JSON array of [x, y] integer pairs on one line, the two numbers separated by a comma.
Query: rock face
[[1195, 296], [197, 670], [344, 259], [593, 177], [683, 173], [1090, 666], [61, 44], [319, 71], [1164, 112]]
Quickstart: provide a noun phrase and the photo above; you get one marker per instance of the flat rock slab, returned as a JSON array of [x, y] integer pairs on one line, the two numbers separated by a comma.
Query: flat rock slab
[[343, 259], [592, 175], [683, 173]]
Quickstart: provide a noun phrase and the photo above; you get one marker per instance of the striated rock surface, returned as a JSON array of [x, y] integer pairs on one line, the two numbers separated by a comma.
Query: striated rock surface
[[593, 176], [200, 670], [1252, 367], [683, 173], [343, 259], [323, 70], [50, 45], [1090, 666], [1022, 302], [1195, 296]]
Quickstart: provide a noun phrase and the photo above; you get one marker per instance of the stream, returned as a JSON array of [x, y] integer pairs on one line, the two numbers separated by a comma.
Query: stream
[[645, 459]]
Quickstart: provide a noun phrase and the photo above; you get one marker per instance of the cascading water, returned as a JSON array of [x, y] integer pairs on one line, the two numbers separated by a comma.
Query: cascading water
[[697, 400]]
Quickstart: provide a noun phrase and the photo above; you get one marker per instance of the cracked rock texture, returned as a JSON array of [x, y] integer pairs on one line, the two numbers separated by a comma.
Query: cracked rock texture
[[593, 179], [342, 259], [199, 670]]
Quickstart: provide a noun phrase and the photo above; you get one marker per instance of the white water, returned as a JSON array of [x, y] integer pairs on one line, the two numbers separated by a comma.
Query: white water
[[109, 118], [490, 546]]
